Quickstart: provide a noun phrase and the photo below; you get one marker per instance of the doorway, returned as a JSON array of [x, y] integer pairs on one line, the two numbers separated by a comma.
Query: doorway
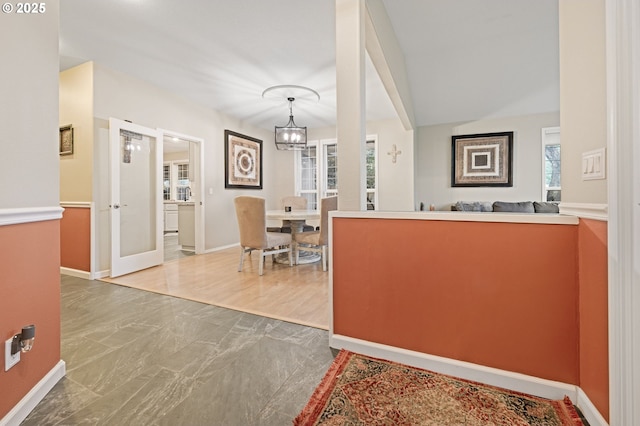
[[138, 198], [183, 196]]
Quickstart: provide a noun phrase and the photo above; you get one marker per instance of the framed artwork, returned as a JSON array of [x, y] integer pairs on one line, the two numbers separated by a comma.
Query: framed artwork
[[243, 161], [482, 159], [66, 140]]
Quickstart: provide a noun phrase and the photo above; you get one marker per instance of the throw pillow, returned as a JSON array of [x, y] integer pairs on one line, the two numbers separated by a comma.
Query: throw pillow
[[545, 207], [473, 206], [519, 207]]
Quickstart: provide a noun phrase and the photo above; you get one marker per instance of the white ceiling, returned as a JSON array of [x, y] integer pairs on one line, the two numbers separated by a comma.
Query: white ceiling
[[465, 59]]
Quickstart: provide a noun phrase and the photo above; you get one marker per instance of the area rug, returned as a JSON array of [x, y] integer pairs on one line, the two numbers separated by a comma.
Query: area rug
[[360, 390]]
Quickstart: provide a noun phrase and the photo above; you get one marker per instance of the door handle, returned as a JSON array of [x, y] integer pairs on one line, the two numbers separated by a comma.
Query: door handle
[[116, 206]]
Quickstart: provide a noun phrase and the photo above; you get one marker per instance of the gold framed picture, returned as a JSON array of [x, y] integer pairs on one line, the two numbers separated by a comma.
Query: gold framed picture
[[66, 140]]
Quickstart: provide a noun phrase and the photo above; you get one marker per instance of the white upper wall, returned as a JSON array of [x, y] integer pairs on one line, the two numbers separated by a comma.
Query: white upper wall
[[433, 161], [29, 109], [583, 98]]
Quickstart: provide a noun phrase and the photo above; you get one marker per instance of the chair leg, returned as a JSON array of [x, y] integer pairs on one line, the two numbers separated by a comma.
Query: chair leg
[[324, 258], [296, 253], [241, 259], [261, 263]]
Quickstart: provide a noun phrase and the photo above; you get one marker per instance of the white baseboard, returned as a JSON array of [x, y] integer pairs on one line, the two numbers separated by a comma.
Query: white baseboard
[[589, 411], [75, 273], [221, 248], [34, 396], [465, 370], [101, 274]]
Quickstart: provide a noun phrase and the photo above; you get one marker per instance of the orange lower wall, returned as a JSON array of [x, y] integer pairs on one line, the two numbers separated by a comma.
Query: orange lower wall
[[75, 239], [29, 294], [593, 308], [502, 295]]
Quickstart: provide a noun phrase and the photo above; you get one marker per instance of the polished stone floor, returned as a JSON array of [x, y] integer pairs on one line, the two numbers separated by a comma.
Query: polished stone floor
[[139, 358]]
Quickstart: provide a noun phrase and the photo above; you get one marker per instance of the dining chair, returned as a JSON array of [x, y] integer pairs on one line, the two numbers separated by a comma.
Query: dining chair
[[296, 203], [317, 241], [251, 215]]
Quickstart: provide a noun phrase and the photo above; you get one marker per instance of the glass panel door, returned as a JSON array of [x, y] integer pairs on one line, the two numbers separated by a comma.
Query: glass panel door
[[136, 197]]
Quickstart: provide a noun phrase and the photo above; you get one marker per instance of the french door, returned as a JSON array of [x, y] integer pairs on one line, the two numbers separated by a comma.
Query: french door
[[135, 154]]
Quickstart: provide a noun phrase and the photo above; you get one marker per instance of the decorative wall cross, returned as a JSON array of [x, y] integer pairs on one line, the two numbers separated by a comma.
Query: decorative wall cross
[[394, 153]]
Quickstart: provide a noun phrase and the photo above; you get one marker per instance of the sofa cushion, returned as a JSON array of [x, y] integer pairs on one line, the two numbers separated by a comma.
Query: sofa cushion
[[473, 206], [518, 207], [545, 207]]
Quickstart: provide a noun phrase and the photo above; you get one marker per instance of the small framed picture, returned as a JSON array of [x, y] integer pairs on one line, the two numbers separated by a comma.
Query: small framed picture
[[482, 159], [66, 140], [243, 161]]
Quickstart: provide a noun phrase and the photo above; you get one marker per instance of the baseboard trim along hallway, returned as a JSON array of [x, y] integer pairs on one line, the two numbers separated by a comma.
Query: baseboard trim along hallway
[[35, 395]]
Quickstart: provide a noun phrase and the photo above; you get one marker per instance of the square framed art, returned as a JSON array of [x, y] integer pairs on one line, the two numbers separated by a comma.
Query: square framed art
[[482, 159], [243, 161]]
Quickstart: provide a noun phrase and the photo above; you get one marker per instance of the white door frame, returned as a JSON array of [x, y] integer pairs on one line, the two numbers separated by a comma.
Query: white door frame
[[199, 170]]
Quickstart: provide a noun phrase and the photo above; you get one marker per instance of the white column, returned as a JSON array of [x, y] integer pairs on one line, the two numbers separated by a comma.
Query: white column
[[623, 134], [351, 117]]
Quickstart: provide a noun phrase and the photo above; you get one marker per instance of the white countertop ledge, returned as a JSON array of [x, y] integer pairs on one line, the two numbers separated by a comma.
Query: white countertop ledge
[[496, 217]]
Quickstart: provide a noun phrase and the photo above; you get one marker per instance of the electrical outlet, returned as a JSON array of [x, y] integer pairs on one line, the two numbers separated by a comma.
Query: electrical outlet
[[10, 360]]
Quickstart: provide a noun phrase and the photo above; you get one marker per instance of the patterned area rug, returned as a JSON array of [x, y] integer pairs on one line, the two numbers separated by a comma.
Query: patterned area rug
[[359, 390]]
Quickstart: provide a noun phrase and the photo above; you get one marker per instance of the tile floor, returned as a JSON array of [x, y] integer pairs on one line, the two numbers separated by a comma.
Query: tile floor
[[139, 358]]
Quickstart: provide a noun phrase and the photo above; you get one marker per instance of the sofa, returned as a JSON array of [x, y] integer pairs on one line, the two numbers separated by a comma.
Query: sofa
[[505, 206]]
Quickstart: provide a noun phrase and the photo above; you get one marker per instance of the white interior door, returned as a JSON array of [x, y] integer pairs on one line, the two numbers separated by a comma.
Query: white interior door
[[135, 154]]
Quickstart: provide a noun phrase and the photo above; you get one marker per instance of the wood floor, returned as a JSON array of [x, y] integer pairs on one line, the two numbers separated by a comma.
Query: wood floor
[[297, 294]]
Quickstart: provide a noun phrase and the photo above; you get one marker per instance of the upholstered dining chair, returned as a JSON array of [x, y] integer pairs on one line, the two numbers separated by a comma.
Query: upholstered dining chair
[[317, 241], [250, 212], [296, 203]]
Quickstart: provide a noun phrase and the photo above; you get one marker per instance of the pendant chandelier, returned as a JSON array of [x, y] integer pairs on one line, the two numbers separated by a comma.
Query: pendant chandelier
[[291, 137]]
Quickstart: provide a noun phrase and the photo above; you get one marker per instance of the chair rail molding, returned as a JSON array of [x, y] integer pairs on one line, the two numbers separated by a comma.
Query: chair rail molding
[[29, 214], [76, 204], [586, 210]]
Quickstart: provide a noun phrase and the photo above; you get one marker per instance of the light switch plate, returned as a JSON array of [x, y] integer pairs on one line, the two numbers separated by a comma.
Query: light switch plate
[[593, 164], [10, 360]]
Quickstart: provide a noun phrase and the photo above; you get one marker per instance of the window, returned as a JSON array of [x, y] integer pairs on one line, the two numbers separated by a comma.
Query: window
[[371, 174], [166, 182], [330, 168], [551, 164], [175, 181], [183, 192], [307, 175], [318, 179]]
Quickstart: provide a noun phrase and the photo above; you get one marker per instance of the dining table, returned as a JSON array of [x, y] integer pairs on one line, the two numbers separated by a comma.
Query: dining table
[[297, 219]]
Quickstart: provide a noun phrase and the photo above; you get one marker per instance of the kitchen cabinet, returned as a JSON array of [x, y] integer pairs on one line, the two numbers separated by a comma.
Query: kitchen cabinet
[[186, 226], [170, 217]]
